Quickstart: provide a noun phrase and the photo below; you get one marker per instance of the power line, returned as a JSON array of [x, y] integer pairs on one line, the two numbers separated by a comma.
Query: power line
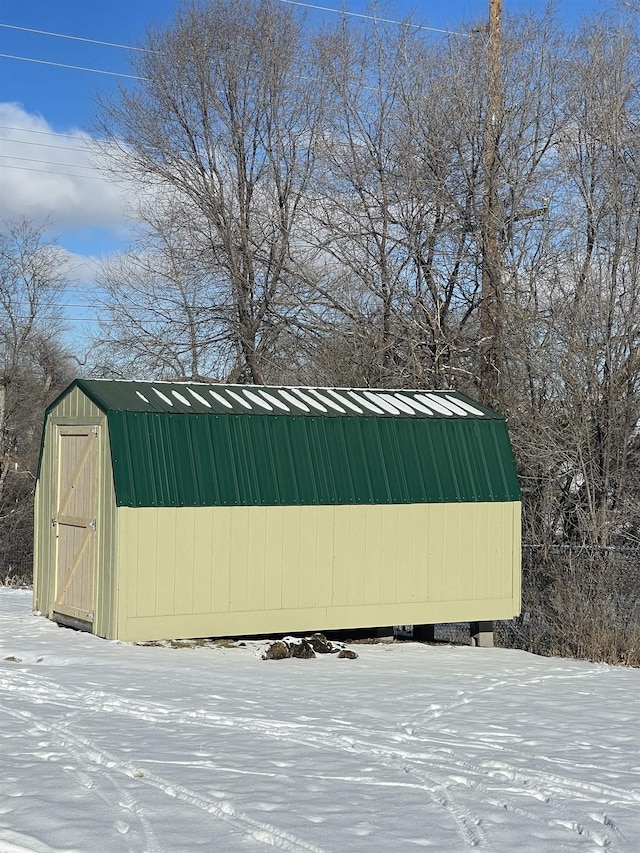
[[375, 18], [73, 38], [65, 165], [50, 163], [73, 67], [44, 145], [56, 174], [50, 133], [368, 17]]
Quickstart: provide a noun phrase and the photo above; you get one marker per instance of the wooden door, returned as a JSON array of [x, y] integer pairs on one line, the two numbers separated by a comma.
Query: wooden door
[[74, 522]]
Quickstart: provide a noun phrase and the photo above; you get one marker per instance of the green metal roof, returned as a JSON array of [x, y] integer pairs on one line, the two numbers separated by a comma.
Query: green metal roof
[[197, 444]]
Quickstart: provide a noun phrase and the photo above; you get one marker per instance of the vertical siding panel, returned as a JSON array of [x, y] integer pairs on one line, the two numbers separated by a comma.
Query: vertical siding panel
[[307, 556], [142, 545], [220, 557], [324, 562], [439, 581], [291, 561], [256, 581], [432, 570], [341, 549], [499, 545], [389, 553], [238, 565], [476, 549], [275, 533], [138, 594], [105, 581], [129, 534], [122, 568], [372, 550], [510, 542], [406, 556], [184, 562], [515, 555], [166, 562], [420, 580], [355, 558], [453, 532], [204, 561], [438, 544], [144, 551]]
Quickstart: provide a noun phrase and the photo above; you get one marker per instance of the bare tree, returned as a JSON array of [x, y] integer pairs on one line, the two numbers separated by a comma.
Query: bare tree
[[162, 305], [392, 203], [33, 367], [225, 119], [398, 212]]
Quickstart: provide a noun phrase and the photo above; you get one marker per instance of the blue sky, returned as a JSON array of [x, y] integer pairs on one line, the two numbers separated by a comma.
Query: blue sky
[[46, 110]]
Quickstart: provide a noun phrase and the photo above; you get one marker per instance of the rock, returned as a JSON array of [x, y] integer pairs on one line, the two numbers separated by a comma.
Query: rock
[[301, 649], [278, 650], [349, 654], [321, 645]]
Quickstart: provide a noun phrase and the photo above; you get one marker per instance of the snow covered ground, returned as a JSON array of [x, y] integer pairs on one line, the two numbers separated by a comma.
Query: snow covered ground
[[113, 747]]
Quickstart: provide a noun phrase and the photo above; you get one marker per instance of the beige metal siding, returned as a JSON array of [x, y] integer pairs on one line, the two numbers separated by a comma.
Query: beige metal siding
[[76, 409], [205, 571]]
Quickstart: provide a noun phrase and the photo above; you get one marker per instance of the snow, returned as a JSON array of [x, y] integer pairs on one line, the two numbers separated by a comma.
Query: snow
[[114, 747]]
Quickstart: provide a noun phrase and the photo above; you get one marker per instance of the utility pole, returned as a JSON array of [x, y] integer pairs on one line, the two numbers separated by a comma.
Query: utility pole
[[492, 304]]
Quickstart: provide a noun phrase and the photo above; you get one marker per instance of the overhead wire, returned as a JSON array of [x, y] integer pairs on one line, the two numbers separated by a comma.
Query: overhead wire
[[73, 38], [28, 142], [65, 165], [49, 133], [55, 174], [376, 18], [73, 67]]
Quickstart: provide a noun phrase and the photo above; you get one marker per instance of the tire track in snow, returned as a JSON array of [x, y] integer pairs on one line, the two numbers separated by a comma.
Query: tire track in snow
[[81, 748], [259, 830], [473, 774], [468, 823], [394, 757], [122, 799]]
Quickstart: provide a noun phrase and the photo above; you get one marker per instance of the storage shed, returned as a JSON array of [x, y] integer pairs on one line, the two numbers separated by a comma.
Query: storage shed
[[167, 510]]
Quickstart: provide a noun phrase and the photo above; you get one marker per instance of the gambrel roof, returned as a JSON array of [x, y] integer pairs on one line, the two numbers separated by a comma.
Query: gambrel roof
[[201, 444]]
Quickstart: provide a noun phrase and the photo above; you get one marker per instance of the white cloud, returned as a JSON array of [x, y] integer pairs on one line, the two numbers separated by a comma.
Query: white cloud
[[55, 177], [82, 269]]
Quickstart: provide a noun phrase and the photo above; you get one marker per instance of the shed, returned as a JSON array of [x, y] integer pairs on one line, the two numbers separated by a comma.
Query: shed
[[167, 510]]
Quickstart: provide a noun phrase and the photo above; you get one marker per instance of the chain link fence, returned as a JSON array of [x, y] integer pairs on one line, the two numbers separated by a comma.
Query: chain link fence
[[16, 549], [579, 601]]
